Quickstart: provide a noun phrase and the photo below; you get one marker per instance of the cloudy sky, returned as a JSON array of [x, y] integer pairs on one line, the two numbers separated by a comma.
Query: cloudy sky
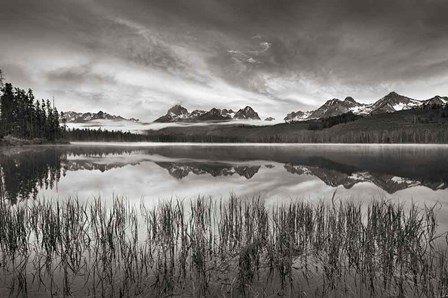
[[139, 57]]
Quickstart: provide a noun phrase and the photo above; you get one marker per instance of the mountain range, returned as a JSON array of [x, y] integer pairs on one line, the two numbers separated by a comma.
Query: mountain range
[[180, 114], [390, 103], [75, 117]]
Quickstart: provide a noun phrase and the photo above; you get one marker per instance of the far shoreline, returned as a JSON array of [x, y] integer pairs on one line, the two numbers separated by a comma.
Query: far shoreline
[[12, 142], [9, 141], [249, 144]]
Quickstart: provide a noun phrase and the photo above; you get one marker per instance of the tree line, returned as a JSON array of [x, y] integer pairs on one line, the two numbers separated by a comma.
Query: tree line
[[100, 135], [332, 121], [23, 116], [423, 135]]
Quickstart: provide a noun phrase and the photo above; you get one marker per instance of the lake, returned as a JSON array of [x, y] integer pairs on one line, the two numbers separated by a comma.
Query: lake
[[292, 239], [274, 172]]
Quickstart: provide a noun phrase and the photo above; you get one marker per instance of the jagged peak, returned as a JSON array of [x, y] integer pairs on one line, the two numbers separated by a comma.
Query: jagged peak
[[332, 101], [178, 109], [227, 111], [393, 94], [198, 111], [246, 113], [248, 108]]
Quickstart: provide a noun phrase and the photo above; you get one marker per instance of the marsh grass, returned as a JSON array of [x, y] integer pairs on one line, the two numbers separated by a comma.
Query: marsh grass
[[208, 247]]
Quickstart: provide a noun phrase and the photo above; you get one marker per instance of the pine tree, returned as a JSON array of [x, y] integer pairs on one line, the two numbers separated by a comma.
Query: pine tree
[[38, 121], [56, 124], [1, 79], [6, 108], [50, 121], [21, 115], [31, 112]]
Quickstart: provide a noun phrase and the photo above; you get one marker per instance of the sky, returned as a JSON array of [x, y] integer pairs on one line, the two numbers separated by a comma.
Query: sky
[[137, 58]]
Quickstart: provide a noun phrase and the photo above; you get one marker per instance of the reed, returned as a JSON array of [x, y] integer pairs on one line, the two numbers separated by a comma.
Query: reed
[[234, 247]]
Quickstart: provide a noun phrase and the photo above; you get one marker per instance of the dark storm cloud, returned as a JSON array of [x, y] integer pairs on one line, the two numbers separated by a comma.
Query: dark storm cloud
[[277, 55]]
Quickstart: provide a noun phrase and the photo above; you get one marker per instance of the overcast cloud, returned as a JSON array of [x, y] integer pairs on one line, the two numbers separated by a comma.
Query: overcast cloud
[[137, 58]]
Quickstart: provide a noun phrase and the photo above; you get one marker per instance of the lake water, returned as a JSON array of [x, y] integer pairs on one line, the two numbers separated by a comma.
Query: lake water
[[276, 173], [151, 173]]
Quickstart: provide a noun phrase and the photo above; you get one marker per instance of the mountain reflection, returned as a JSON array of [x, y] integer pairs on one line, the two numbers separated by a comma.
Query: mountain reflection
[[389, 183], [26, 171], [87, 165], [181, 170]]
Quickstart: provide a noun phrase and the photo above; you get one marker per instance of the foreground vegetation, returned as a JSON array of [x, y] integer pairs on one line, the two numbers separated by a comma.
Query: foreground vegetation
[[224, 248]]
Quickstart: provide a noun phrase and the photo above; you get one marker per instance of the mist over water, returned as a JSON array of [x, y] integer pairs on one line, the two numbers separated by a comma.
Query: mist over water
[[275, 173]]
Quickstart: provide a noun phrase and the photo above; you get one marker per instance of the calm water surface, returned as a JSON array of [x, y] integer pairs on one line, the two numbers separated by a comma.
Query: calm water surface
[[278, 174], [150, 173], [275, 173]]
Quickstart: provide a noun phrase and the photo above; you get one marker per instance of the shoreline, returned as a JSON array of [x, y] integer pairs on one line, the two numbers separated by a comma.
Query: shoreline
[[12, 142], [249, 144], [8, 142]]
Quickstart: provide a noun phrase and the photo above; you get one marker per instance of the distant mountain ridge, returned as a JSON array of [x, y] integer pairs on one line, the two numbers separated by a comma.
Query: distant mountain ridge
[[393, 102], [180, 114], [75, 117], [390, 103], [436, 100], [182, 170]]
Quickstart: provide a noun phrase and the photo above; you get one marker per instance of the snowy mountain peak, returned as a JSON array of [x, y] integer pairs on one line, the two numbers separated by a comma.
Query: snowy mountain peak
[[349, 99], [75, 117], [178, 110], [181, 114], [297, 116], [393, 94], [247, 113], [393, 102], [333, 101], [436, 101], [390, 103], [334, 107]]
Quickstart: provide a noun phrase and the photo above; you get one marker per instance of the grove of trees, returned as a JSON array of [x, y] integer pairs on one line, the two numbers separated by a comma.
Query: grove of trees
[[100, 135], [332, 121], [23, 116]]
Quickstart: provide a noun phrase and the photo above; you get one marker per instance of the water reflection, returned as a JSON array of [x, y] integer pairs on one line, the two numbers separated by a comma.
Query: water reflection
[[180, 170], [387, 182], [27, 171], [24, 173]]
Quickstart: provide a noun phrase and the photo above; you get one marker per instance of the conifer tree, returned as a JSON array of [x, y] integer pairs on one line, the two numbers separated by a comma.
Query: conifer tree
[[21, 115]]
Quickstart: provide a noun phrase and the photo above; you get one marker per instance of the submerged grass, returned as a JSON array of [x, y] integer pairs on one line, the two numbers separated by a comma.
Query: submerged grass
[[233, 248]]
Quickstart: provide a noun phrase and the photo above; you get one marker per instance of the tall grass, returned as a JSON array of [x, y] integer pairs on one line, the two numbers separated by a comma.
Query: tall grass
[[208, 247]]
